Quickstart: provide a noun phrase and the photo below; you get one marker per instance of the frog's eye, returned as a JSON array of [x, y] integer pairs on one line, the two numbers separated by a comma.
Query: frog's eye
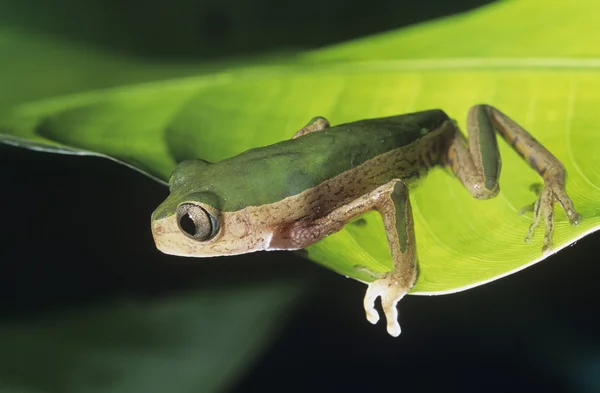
[[196, 222]]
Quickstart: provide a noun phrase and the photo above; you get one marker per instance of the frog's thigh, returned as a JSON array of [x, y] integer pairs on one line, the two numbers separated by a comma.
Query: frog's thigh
[[476, 161], [315, 124], [392, 202]]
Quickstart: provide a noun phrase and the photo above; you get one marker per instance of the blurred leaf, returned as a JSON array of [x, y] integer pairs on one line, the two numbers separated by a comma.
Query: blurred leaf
[[508, 29], [462, 242], [35, 66], [195, 342], [38, 66]]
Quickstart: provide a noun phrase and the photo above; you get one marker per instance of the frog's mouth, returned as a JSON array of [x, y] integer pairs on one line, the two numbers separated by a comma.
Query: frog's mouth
[[170, 239]]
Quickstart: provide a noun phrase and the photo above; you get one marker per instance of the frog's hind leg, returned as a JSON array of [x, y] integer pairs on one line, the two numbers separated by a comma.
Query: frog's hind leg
[[392, 202], [400, 231], [477, 163], [315, 124]]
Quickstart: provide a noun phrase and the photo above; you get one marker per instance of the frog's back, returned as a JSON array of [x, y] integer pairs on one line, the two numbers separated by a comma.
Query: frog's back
[[269, 174]]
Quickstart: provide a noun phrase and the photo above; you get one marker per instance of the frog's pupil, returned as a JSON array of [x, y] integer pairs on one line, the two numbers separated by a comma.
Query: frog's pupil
[[186, 222]]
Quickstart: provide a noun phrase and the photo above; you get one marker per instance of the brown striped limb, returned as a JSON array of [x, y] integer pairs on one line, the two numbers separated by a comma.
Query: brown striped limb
[[476, 162], [392, 202]]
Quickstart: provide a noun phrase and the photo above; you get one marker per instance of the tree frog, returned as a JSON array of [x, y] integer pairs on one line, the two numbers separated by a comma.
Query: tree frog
[[291, 194]]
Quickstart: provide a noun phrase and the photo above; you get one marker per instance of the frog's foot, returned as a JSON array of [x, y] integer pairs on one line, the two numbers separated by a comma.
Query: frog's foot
[[391, 291], [544, 207]]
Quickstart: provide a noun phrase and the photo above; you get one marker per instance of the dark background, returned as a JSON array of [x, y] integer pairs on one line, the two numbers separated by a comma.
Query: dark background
[[534, 330], [209, 29]]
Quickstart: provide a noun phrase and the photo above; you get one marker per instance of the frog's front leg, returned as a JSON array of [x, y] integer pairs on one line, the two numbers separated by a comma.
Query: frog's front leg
[[315, 124], [477, 164], [392, 202]]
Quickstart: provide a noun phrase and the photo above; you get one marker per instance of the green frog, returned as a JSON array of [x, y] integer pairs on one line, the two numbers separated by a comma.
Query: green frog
[[291, 194]]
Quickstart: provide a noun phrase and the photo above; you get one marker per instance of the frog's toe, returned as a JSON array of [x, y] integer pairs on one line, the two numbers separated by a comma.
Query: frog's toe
[[544, 209], [389, 303], [373, 292], [547, 248], [572, 215], [390, 292], [535, 223]]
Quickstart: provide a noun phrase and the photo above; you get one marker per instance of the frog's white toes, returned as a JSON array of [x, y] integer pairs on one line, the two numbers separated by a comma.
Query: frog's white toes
[[391, 314], [389, 302], [390, 293], [373, 292]]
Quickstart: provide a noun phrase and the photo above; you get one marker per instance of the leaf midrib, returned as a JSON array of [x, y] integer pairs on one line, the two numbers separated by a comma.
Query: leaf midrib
[[317, 67]]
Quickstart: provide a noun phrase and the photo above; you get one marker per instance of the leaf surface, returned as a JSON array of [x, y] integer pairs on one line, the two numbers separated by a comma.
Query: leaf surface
[[461, 242]]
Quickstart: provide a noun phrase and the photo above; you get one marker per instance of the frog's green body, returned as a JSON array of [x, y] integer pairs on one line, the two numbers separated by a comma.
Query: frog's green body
[[297, 165], [294, 193]]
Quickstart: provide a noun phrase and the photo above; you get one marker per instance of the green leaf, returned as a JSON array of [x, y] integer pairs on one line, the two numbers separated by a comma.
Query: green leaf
[[462, 242], [508, 29], [34, 67]]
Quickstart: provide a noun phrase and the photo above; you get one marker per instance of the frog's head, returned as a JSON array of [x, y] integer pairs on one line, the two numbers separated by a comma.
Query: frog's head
[[190, 221]]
